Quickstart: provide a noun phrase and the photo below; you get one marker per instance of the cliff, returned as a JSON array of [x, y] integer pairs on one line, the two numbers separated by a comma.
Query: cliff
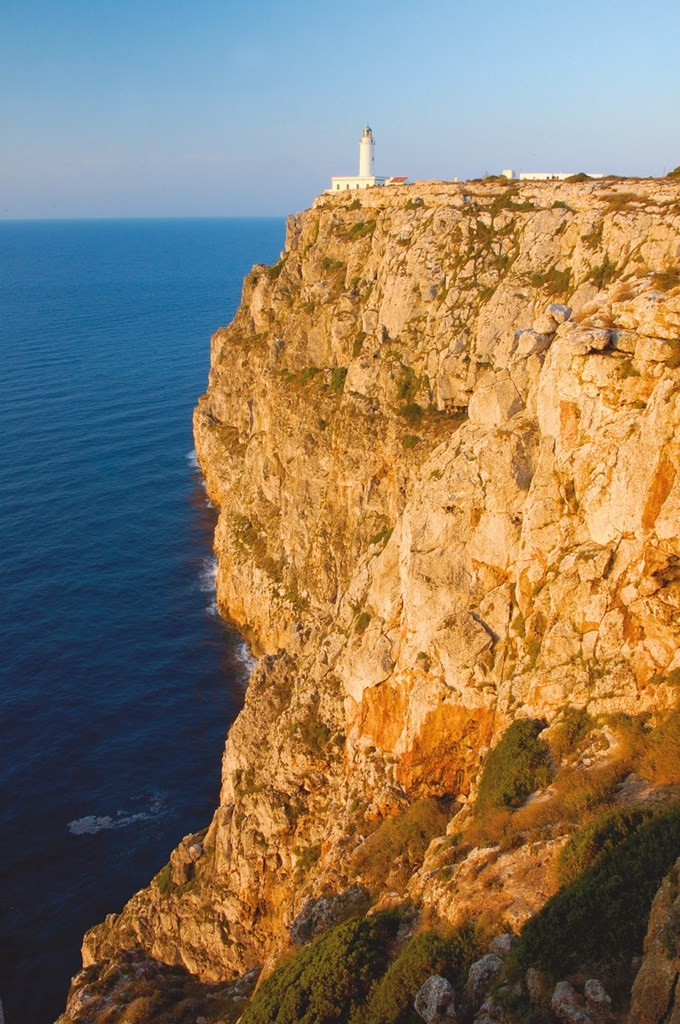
[[442, 433]]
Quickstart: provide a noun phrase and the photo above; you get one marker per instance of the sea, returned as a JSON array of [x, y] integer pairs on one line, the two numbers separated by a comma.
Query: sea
[[118, 681]]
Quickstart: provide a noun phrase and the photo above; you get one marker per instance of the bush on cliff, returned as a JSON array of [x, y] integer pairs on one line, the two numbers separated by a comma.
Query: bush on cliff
[[597, 838], [329, 979], [346, 975], [603, 914], [517, 766], [391, 999]]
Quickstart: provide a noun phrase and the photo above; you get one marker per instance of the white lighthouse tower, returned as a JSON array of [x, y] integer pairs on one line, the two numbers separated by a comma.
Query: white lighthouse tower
[[366, 148], [366, 178]]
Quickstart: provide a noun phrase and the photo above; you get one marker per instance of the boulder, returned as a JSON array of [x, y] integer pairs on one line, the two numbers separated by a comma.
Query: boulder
[[531, 343], [539, 987], [502, 944], [568, 1005], [483, 974], [598, 1003], [435, 1001], [559, 312]]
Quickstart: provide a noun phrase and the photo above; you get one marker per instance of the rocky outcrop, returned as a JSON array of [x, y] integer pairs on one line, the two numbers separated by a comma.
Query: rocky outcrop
[[442, 433], [656, 990]]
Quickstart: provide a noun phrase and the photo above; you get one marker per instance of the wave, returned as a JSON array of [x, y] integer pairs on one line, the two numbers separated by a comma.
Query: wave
[[192, 459], [207, 579], [92, 823], [246, 656]]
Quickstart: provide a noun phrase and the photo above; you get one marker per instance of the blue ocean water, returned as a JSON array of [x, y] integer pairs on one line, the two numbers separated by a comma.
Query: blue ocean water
[[117, 681]]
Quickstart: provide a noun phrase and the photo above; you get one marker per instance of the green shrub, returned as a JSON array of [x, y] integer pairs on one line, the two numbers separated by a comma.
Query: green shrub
[[338, 376], [605, 273], [603, 914], [332, 266], [308, 374], [597, 837], [164, 880], [412, 413], [313, 731], [410, 440], [328, 979], [361, 229], [362, 621], [391, 999], [517, 766], [408, 385], [358, 344], [675, 173]]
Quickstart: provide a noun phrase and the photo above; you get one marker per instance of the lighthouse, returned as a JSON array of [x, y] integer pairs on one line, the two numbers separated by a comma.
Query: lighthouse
[[366, 147], [366, 178]]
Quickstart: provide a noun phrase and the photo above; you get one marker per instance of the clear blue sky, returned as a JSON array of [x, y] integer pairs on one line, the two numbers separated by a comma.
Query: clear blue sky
[[200, 107]]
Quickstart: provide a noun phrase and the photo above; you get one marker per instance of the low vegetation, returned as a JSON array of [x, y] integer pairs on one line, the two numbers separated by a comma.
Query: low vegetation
[[603, 913], [358, 973], [427, 953], [329, 979], [398, 845], [517, 766]]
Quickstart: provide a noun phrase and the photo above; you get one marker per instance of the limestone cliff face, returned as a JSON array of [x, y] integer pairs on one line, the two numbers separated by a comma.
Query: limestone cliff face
[[442, 432]]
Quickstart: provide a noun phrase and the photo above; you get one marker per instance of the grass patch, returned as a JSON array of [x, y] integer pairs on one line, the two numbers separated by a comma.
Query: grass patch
[[313, 731], [332, 266], [163, 880], [660, 759], [408, 385], [398, 845], [569, 735]]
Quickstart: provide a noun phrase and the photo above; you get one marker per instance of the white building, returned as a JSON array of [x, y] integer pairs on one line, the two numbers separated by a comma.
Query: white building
[[543, 175], [366, 178]]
